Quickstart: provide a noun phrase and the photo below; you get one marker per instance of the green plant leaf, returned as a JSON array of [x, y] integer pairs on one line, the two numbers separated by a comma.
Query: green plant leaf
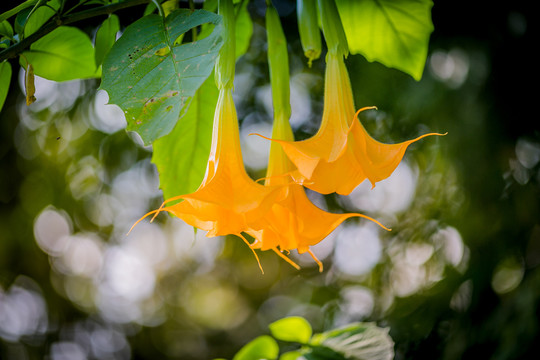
[[105, 37], [181, 156], [290, 355], [394, 33], [356, 341], [151, 78], [262, 347], [64, 54], [40, 16], [6, 29], [5, 79], [293, 328], [20, 20], [17, 9]]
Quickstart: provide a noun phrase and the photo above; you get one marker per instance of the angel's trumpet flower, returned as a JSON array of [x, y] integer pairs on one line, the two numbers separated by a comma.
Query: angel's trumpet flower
[[341, 154], [227, 200]]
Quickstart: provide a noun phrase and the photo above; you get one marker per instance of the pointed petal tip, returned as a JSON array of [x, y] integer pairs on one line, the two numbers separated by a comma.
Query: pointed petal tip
[[142, 218], [372, 219], [284, 257], [253, 250], [321, 268]]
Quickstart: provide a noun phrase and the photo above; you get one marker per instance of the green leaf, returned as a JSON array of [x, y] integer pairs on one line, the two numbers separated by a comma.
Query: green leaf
[[20, 20], [181, 156], [290, 355], [6, 29], [17, 9], [293, 328], [5, 79], [151, 78], [262, 347], [394, 33], [356, 341], [105, 37], [40, 16], [64, 54]]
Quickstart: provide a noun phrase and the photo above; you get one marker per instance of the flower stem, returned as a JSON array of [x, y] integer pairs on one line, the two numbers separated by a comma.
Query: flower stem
[[227, 56], [278, 62], [336, 41]]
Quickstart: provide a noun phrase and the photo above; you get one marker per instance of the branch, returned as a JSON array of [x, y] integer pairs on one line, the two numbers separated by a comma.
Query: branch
[[15, 49]]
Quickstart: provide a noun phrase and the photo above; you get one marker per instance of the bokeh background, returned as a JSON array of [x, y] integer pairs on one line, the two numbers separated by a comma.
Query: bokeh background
[[457, 278]]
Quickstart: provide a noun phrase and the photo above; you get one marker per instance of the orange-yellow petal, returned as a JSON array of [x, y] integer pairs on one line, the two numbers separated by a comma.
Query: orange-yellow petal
[[376, 159]]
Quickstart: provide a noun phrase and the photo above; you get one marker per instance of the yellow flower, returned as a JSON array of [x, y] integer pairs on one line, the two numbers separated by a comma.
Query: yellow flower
[[294, 222], [341, 154], [227, 199]]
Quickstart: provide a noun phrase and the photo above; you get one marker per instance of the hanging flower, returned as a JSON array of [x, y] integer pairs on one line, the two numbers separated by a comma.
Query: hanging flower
[[227, 200], [341, 154], [294, 222]]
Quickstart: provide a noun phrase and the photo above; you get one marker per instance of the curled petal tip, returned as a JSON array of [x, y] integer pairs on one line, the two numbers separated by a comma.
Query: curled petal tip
[[264, 137], [365, 108]]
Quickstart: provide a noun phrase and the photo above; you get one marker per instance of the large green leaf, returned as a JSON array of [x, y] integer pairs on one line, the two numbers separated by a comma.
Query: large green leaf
[[262, 347], [181, 155], [394, 33], [292, 328], [5, 79], [64, 54], [151, 77]]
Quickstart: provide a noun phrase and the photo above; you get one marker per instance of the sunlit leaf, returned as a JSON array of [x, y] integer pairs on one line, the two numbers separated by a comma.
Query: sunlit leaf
[[262, 347], [293, 328], [151, 78], [64, 54], [5, 79], [181, 155], [357, 341], [105, 37], [394, 33]]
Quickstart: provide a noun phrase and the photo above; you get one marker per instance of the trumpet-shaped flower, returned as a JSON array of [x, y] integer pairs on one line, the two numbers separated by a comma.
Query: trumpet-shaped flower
[[227, 199], [341, 154], [294, 222]]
